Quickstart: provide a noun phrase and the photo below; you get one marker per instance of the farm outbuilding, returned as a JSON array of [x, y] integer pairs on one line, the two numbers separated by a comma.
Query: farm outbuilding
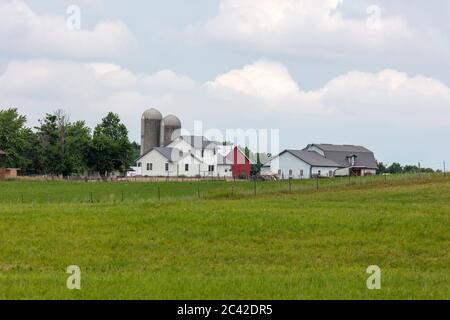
[[322, 160], [6, 173], [241, 164], [300, 164]]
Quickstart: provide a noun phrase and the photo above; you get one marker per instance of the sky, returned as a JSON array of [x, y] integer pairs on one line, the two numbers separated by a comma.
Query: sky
[[372, 73]]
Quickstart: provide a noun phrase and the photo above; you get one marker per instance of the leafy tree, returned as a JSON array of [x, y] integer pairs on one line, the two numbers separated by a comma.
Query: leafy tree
[[63, 146], [395, 168], [51, 136], [381, 168], [77, 143], [136, 150], [110, 149], [410, 169], [18, 141], [256, 168]]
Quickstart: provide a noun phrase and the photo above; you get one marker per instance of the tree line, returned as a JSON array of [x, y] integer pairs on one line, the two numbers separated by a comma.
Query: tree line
[[397, 168], [58, 146]]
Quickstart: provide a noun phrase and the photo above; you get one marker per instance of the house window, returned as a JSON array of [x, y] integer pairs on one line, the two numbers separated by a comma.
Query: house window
[[215, 152], [186, 167], [319, 173], [203, 153], [139, 164], [149, 166], [211, 168], [279, 172], [301, 173], [290, 173], [330, 174], [167, 167]]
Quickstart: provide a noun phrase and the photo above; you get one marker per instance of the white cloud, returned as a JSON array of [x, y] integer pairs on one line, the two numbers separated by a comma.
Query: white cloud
[[313, 27], [264, 79], [25, 33], [386, 110], [264, 87]]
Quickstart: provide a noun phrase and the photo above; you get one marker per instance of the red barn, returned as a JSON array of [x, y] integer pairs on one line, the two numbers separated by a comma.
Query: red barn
[[241, 164]]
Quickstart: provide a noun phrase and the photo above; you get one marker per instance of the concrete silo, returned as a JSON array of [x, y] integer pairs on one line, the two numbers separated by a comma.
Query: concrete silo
[[150, 130], [170, 129]]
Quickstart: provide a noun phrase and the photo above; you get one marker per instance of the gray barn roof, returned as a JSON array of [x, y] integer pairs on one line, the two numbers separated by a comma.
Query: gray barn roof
[[222, 161], [199, 142], [341, 153], [171, 154], [312, 158]]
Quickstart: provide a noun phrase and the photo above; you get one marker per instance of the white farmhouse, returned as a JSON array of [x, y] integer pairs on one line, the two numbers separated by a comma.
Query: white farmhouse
[[190, 156]]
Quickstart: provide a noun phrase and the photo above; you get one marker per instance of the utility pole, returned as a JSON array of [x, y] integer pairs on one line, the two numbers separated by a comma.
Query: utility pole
[[420, 173], [444, 168]]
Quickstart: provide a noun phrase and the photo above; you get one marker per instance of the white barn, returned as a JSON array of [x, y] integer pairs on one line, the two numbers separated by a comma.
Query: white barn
[[322, 160], [352, 160], [299, 164]]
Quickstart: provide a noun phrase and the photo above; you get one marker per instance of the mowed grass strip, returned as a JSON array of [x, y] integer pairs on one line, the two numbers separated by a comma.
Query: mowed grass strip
[[283, 246]]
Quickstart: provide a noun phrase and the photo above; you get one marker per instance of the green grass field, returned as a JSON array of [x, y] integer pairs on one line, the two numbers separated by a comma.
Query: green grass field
[[229, 243]]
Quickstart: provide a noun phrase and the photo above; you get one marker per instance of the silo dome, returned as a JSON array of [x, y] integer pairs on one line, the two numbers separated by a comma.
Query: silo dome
[[150, 130], [170, 129], [172, 121], [152, 114]]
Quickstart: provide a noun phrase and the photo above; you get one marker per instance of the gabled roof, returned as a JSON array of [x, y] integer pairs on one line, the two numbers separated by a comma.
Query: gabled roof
[[171, 154], [312, 158], [2, 153], [340, 148], [199, 142], [251, 158], [223, 161], [340, 154]]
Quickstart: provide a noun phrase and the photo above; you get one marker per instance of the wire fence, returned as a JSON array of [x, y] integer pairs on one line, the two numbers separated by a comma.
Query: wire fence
[[36, 192]]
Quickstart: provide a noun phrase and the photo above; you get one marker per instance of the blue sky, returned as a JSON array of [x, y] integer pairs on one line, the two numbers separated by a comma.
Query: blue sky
[[374, 73]]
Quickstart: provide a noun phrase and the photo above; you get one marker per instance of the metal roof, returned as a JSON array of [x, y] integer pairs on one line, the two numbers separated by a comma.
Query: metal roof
[[312, 158], [171, 154], [340, 148], [199, 142], [221, 160], [340, 154]]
